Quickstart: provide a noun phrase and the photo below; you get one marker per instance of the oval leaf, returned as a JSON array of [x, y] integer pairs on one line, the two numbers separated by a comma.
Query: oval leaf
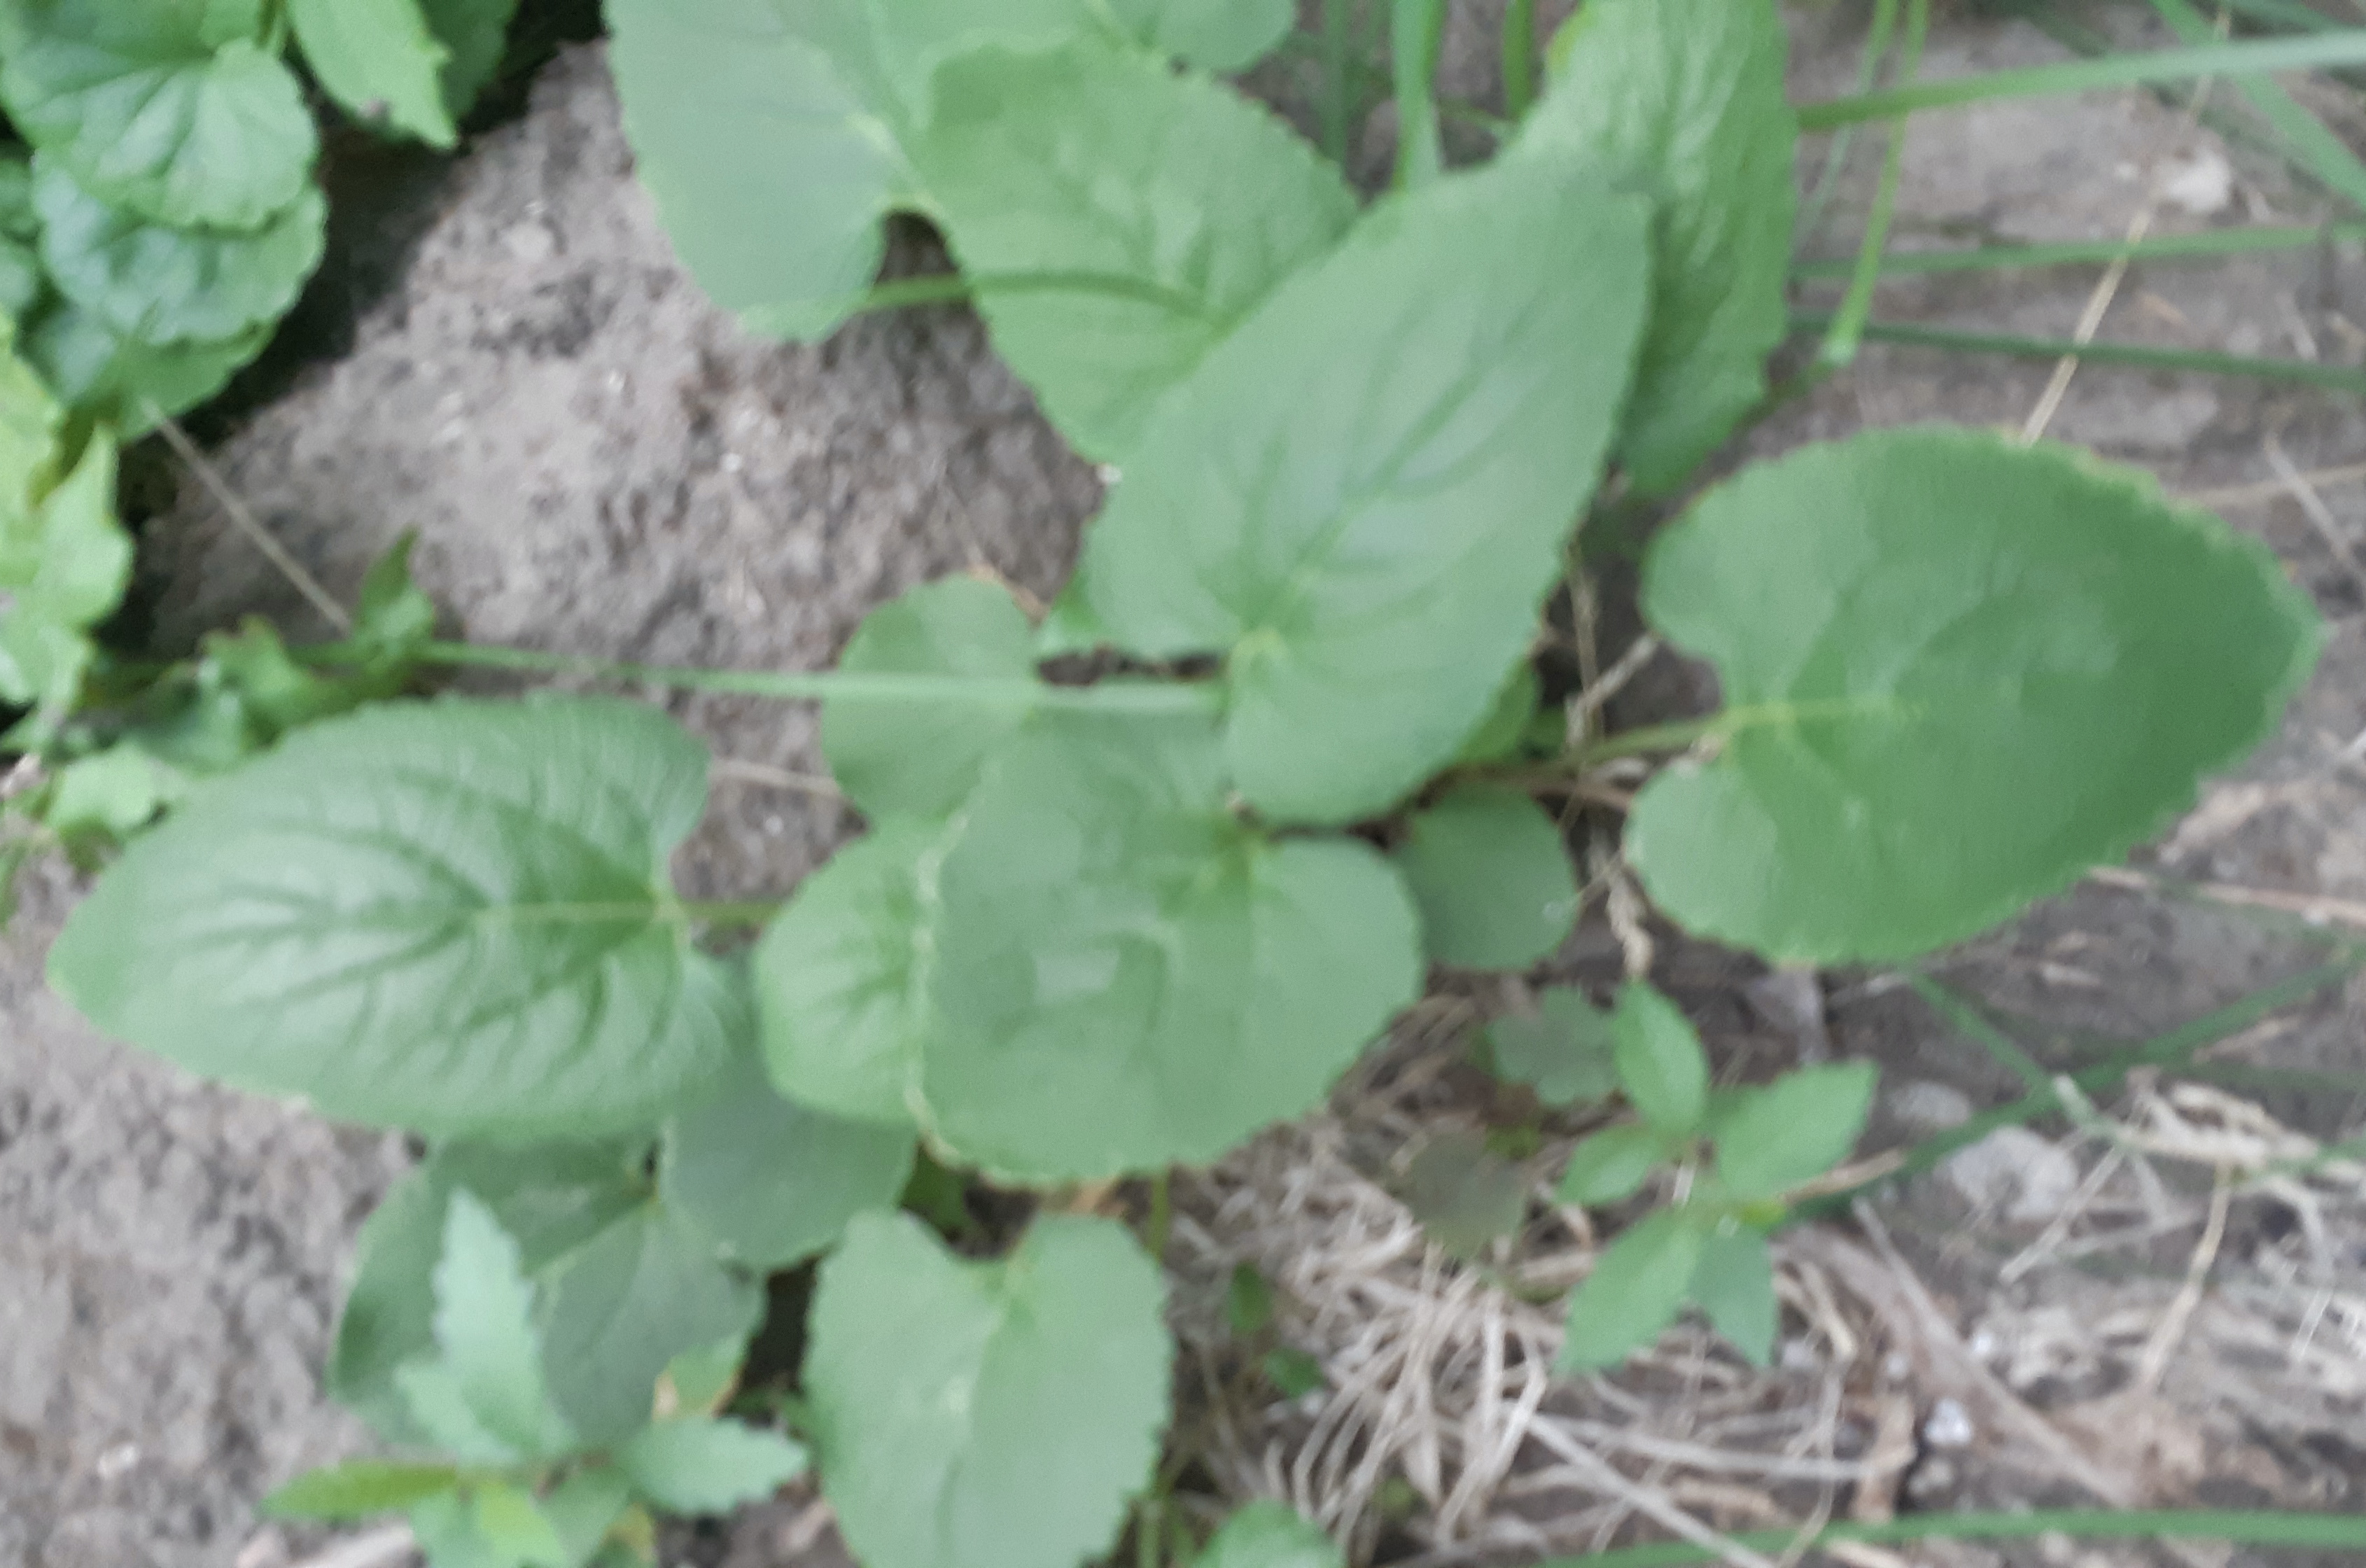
[[1659, 1060], [1959, 673], [921, 760], [1563, 1051], [1734, 1284], [357, 1490], [1637, 1285], [1127, 977], [1793, 1130], [1491, 877], [842, 975], [1360, 498], [772, 136], [381, 59], [1170, 205], [774, 1182], [151, 110], [709, 1467], [987, 1414], [1611, 1165], [166, 285], [442, 915], [1684, 101], [1270, 1535]]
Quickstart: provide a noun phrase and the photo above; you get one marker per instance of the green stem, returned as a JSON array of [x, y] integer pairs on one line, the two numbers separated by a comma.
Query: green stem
[[2208, 243], [1868, 72], [2035, 1079], [2242, 1527], [1336, 107], [1417, 30], [2317, 151], [1847, 331], [2334, 377], [1520, 58], [1160, 1224], [2252, 57], [853, 686]]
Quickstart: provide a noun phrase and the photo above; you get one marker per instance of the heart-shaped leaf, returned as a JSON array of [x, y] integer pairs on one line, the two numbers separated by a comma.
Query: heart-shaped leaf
[[986, 1414], [1127, 976], [446, 916], [1360, 496], [1146, 212], [1684, 101], [1958, 674], [167, 109]]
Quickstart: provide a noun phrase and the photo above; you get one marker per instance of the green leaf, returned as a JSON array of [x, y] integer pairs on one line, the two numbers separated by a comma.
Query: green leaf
[[358, 1489], [513, 1525], [709, 1467], [621, 1307], [987, 1414], [1793, 1130], [1611, 1165], [444, 916], [921, 760], [124, 381], [772, 136], [154, 107], [1294, 1373], [381, 59], [774, 1182], [1248, 1303], [477, 33], [1222, 35], [1170, 205], [1660, 1062], [1129, 977], [171, 286], [549, 1197], [1684, 101], [842, 975], [1491, 877], [1466, 1196], [1563, 1050], [449, 1536], [1505, 729], [582, 1508], [114, 792], [1269, 1535], [1639, 1283], [1958, 672], [1733, 1283], [64, 567], [1360, 498], [392, 619], [485, 1336]]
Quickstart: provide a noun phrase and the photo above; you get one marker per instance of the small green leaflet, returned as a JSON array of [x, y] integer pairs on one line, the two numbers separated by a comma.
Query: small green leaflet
[[168, 285], [1659, 1060], [358, 1490], [477, 32], [771, 1182], [1269, 1535], [513, 1525], [1127, 977], [1770, 1140], [1505, 729], [1640, 1283], [482, 1394], [921, 760], [580, 1509], [1684, 101], [114, 792], [154, 108], [381, 59], [1734, 1285], [63, 566], [549, 1197], [1360, 498], [1611, 1165], [1911, 627], [987, 1414], [124, 381], [709, 1467], [1159, 208], [1491, 877], [1222, 35], [1562, 1051], [444, 916], [770, 133], [1466, 1196], [618, 1310], [842, 975], [450, 1537]]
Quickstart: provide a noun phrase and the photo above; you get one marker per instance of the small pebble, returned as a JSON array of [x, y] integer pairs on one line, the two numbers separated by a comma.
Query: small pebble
[[1949, 1425]]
